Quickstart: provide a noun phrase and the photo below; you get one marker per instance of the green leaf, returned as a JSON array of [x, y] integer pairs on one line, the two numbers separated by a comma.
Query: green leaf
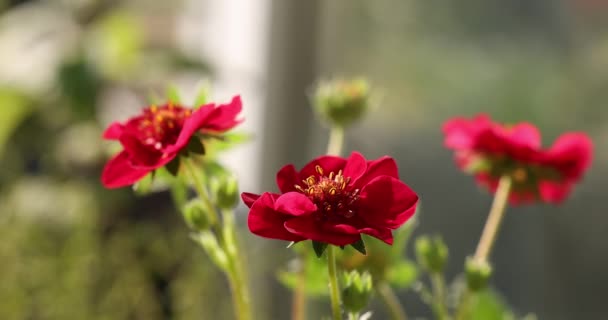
[[319, 248], [173, 94], [488, 305], [315, 273], [144, 186], [359, 246], [201, 97], [173, 166], [402, 274], [14, 108], [195, 146]]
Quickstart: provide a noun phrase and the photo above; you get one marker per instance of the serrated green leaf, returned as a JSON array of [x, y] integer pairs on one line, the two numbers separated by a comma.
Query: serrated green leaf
[[319, 248], [173, 166], [173, 94], [195, 146], [359, 246], [402, 274]]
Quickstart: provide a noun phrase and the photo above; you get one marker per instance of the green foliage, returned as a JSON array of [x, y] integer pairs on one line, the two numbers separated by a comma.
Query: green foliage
[[14, 107]]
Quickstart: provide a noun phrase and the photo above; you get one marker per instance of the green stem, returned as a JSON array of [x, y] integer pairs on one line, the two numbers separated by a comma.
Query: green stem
[[334, 290], [240, 289], [462, 313], [353, 316], [233, 267], [298, 307], [439, 295], [392, 302], [336, 141], [200, 188], [495, 217]]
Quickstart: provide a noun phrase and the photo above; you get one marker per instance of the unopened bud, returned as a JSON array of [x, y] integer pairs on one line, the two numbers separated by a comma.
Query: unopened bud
[[478, 273], [357, 290], [342, 102], [432, 253], [226, 190], [197, 216]]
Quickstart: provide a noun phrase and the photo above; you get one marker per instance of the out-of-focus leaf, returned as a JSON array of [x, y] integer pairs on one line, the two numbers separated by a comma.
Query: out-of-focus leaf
[[224, 142], [316, 276], [402, 274], [488, 305], [201, 97], [116, 45], [79, 83], [173, 94], [195, 146], [144, 186], [14, 107]]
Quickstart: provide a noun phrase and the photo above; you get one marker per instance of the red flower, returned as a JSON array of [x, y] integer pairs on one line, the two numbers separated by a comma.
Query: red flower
[[156, 136], [490, 150], [333, 200]]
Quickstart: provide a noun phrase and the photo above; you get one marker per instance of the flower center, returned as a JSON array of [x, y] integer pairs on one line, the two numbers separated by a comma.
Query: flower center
[[160, 126], [330, 193]]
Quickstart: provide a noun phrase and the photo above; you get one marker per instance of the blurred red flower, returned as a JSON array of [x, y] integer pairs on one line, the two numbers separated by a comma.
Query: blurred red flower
[[158, 135], [333, 200], [490, 150]]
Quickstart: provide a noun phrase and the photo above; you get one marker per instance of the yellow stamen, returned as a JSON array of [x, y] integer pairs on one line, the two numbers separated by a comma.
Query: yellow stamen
[[319, 169]]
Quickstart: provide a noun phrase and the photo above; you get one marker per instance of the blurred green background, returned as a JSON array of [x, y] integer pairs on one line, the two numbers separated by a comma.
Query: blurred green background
[[70, 249]]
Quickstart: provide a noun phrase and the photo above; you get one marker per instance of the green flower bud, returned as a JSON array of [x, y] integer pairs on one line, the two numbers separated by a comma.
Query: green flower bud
[[197, 216], [357, 290], [431, 253], [342, 102], [477, 273], [226, 191]]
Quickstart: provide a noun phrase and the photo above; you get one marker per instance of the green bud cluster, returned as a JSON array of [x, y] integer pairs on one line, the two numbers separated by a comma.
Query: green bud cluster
[[477, 273], [342, 102], [357, 290], [197, 215], [226, 191], [431, 253]]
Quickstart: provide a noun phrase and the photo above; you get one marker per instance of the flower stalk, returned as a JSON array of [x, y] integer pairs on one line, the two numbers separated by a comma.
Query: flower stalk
[[390, 299], [495, 217], [334, 290], [225, 252]]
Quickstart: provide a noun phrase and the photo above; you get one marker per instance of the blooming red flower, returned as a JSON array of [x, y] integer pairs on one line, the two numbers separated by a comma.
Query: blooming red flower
[[159, 134], [333, 200], [490, 150]]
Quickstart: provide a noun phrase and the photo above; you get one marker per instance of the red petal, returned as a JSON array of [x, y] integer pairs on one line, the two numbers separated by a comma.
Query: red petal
[[249, 198], [571, 154], [119, 172], [525, 134], [143, 156], [114, 131], [355, 167], [310, 228], [287, 178], [555, 192], [192, 124], [385, 166], [224, 116], [383, 234], [387, 203], [294, 204], [460, 133], [327, 163], [264, 221]]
